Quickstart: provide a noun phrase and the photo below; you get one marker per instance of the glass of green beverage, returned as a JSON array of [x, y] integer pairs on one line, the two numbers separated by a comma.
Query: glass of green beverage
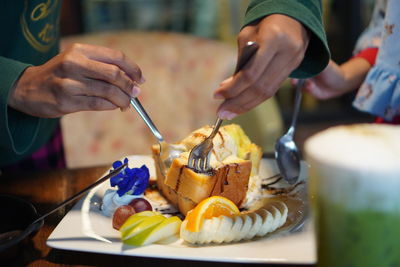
[[355, 194]]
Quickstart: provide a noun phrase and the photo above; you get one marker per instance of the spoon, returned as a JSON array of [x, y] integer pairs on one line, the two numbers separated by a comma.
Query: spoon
[[286, 151], [10, 238], [168, 152]]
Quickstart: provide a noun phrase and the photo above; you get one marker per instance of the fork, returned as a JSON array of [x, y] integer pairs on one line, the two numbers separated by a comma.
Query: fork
[[199, 157]]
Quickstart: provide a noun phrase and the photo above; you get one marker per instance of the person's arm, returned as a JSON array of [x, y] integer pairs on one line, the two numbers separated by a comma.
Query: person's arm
[[337, 80], [12, 135], [83, 77], [292, 42]]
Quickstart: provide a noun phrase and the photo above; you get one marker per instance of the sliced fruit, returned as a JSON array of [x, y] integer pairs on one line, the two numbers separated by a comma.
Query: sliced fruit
[[266, 223], [235, 230], [208, 208], [134, 220], [208, 230], [187, 235], [167, 228], [137, 235], [282, 208], [239, 227], [276, 214], [255, 227], [247, 223], [224, 228]]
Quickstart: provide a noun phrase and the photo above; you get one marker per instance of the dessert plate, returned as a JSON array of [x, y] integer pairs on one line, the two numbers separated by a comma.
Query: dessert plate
[[86, 229]]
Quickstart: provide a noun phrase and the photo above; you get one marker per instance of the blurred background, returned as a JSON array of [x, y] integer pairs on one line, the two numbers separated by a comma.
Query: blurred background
[[190, 45]]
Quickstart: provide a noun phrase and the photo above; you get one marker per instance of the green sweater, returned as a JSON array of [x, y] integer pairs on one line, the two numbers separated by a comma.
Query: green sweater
[[309, 13], [29, 36]]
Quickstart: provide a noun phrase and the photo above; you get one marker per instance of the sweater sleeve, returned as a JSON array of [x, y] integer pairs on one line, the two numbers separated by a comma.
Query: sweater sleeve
[[309, 13], [15, 126]]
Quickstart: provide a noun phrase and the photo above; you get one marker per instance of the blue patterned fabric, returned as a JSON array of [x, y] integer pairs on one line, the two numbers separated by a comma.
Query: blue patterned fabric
[[380, 92], [371, 36]]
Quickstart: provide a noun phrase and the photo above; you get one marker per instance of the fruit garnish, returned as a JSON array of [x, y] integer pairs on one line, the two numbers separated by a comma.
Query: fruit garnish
[[131, 181], [239, 227], [140, 204], [121, 215], [210, 207], [136, 235], [135, 219], [167, 228], [148, 227]]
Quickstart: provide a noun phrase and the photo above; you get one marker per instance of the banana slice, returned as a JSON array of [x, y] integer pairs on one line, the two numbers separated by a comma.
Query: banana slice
[[255, 228], [187, 235], [235, 230], [247, 224], [282, 208], [276, 214], [214, 228], [267, 222], [224, 229], [240, 227], [206, 232]]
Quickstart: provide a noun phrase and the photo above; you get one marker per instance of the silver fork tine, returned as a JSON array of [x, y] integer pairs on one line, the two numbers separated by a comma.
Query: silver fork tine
[[208, 160], [204, 164], [201, 165], [200, 153], [196, 164]]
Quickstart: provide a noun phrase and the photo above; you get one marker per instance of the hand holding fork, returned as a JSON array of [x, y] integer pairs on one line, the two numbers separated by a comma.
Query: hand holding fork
[[199, 157]]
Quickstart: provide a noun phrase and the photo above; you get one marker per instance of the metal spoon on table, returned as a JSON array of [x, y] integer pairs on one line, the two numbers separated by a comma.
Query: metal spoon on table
[[286, 152], [12, 238]]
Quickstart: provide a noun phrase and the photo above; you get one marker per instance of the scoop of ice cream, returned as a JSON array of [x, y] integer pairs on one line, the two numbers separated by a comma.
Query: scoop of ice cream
[[111, 201]]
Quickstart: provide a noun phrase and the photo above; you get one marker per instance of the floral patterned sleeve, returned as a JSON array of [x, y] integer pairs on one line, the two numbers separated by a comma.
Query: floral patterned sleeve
[[371, 36], [380, 92]]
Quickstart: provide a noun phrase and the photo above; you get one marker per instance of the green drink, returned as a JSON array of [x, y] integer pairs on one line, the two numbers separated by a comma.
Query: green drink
[[357, 238], [354, 189]]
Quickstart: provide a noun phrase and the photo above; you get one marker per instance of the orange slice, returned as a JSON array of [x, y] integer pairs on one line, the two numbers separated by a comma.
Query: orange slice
[[210, 207]]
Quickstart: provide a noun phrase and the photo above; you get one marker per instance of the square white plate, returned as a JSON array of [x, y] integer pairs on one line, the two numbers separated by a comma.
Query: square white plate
[[85, 228]]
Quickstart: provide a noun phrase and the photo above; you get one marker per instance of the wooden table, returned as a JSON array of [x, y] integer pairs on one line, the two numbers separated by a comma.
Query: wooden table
[[47, 188]]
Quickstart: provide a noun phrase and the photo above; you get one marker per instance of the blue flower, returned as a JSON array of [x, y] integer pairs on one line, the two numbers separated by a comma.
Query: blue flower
[[130, 181]]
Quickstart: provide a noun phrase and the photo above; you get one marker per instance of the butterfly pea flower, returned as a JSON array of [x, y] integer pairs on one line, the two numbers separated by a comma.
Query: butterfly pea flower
[[132, 181]]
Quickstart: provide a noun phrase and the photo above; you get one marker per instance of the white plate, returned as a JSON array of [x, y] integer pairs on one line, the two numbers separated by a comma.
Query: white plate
[[84, 228]]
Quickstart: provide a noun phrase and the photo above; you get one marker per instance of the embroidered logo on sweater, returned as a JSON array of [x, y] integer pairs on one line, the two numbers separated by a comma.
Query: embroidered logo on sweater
[[39, 22]]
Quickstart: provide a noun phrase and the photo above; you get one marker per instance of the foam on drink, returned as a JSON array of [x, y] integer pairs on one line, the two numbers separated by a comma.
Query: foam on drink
[[362, 158]]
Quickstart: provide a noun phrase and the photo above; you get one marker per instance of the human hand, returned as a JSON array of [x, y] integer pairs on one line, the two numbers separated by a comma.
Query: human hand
[[328, 84], [282, 45], [336, 80], [82, 77]]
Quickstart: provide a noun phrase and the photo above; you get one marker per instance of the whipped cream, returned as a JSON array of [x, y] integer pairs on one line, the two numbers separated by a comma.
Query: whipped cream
[[111, 201], [223, 144]]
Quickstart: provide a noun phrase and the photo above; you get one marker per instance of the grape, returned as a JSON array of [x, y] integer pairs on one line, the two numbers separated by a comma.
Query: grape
[[140, 204], [121, 215]]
